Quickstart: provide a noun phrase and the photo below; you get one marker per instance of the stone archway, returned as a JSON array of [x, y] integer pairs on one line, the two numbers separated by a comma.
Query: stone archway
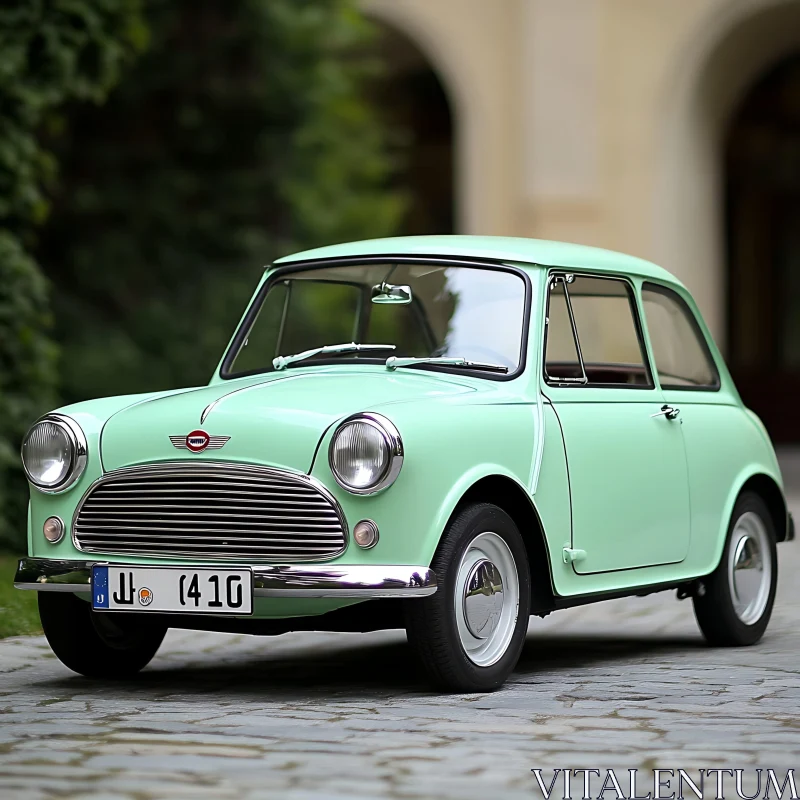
[[416, 111], [739, 42], [762, 247], [462, 41]]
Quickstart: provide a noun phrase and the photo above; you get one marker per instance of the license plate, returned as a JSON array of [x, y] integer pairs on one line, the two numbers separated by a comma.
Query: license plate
[[190, 590]]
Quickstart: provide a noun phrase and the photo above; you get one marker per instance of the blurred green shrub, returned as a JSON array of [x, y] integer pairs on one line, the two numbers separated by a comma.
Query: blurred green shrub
[[27, 374], [240, 134], [51, 51]]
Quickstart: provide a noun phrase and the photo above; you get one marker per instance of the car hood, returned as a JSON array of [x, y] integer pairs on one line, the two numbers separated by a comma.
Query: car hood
[[275, 420]]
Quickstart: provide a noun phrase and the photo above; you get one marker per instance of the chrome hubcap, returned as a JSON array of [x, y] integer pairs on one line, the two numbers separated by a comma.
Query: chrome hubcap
[[483, 599], [487, 599], [749, 568]]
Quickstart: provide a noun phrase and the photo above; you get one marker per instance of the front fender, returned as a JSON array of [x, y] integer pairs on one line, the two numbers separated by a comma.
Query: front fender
[[91, 415], [448, 447], [453, 498]]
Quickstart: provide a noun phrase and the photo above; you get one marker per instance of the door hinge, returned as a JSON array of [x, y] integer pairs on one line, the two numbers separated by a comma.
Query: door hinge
[[571, 556]]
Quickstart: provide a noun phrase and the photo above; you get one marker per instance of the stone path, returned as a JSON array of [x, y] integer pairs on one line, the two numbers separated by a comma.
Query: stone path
[[622, 684]]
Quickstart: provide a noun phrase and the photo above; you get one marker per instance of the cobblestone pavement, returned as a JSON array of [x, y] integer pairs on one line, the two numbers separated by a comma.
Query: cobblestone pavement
[[622, 684]]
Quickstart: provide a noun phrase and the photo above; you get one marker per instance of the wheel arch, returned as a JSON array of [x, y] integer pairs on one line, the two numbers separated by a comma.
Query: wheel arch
[[506, 493], [756, 479], [770, 492]]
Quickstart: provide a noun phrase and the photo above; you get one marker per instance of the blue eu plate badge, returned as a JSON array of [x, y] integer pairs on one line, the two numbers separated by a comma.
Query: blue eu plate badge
[[99, 587]]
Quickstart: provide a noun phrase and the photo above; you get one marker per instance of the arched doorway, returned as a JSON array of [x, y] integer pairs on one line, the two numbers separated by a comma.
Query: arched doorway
[[762, 216], [718, 85], [413, 103]]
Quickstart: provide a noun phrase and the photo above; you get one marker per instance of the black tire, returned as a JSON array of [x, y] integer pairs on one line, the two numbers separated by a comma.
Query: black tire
[[714, 601], [431, 622], [96, 645]]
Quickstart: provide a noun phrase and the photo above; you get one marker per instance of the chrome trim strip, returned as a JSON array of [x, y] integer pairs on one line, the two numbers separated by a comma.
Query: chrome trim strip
[[53, 575], [536, 466], [193, 468], [80, 452], [360, 582], [207, 410], [55, 587]]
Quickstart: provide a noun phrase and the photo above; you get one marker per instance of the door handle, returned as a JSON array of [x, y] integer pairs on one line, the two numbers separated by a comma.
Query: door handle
[[670, 412]]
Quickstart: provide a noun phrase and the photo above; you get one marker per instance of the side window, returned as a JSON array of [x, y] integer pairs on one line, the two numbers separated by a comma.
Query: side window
[[562, 362], [680, 352], [593, 334]]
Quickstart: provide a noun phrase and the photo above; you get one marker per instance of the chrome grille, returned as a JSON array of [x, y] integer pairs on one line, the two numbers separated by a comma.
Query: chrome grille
[[210, 510]]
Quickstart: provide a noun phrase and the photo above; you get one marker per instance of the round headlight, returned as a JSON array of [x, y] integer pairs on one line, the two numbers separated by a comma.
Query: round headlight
[[54, 453], [366, 454]]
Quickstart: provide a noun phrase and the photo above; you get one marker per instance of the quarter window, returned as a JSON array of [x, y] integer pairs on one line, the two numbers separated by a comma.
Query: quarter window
[[681, 355], [593, 335]]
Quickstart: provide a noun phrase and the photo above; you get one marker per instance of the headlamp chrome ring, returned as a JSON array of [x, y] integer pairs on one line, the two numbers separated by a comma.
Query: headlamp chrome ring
[[392, 442], [78, 452]]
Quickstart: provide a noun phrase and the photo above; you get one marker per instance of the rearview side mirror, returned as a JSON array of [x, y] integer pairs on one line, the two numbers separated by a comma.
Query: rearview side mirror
[[388, 293]]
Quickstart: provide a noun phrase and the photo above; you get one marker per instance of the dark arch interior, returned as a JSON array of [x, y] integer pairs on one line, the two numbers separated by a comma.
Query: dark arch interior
[[762, 168], [414, 105]]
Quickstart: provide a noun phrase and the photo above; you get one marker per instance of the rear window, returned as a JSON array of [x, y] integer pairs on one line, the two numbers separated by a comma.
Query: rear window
[[681, 355]]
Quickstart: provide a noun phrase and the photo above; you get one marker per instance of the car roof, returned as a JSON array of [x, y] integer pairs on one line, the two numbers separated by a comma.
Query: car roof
[[538, 252]]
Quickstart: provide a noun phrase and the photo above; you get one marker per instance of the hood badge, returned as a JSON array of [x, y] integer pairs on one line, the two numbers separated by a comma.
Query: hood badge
[[197, 441]]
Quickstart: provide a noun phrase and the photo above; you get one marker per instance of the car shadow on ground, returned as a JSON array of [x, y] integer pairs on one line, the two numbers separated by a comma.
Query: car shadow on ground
[[343, 672]]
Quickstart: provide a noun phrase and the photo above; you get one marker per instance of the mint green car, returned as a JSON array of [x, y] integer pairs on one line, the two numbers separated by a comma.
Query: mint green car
[[446, 434]]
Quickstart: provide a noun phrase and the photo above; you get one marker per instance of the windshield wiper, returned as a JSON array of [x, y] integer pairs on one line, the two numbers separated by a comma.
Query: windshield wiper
[[281, 362], [393, 362]]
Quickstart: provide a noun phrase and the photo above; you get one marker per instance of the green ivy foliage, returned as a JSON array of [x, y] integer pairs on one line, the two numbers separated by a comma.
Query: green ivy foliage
[[239, 136], [51, 52], [235, 132], [27, 369]]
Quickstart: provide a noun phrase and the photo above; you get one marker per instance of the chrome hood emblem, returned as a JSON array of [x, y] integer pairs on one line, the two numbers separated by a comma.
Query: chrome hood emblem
[[197, 441]]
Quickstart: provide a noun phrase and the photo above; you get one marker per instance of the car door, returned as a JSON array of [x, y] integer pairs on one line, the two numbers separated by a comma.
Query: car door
[[624, 448], [717, 435]]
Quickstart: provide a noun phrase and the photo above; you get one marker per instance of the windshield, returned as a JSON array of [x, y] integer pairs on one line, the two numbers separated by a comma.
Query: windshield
[[423, 310]]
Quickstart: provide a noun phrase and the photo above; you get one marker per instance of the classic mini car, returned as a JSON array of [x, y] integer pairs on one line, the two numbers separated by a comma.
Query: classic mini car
[[446, 434]]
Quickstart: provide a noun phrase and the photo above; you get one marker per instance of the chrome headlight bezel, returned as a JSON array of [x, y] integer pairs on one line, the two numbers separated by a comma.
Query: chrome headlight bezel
[[78, 447], [394, 448]]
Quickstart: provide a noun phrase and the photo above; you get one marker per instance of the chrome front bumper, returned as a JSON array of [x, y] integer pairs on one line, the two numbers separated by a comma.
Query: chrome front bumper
[[362, 582]]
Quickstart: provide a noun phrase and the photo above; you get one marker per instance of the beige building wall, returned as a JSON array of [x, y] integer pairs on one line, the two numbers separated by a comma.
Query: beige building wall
[[599, 121]]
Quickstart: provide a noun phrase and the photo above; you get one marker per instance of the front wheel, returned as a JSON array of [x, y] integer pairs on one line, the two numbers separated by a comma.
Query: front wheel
[[468, 636], [734, 604], [97, 644]]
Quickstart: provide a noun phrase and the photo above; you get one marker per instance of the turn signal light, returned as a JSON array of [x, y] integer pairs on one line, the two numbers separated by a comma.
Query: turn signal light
[[53, 530], [365, 534]]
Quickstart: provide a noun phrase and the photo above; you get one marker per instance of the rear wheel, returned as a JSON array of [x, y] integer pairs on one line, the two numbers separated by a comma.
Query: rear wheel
[[94, 644], [734, 605], [468, 635]]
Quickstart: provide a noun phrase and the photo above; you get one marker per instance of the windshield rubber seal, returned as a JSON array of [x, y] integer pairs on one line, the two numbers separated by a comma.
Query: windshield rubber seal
[[302, 266]]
